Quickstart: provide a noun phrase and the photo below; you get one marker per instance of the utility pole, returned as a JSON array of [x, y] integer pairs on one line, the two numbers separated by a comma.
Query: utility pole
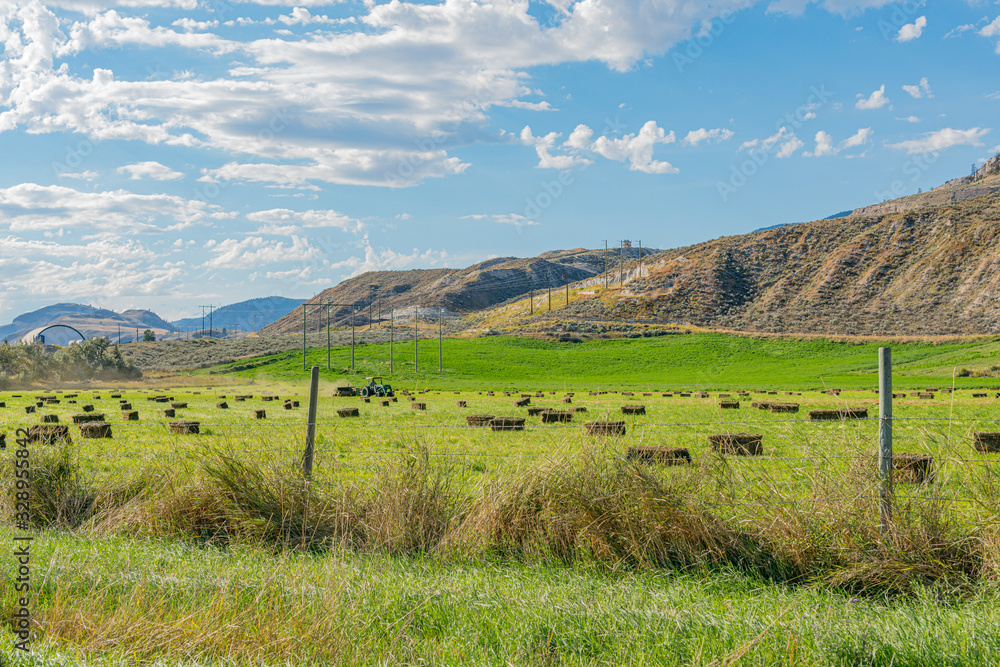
[[440, 334], [605, 265], [203, 319], [621, 266], [328, 336], [304, 306], [392, 317]]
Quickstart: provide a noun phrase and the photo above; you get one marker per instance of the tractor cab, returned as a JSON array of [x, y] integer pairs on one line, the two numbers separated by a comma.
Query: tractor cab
[[376, 388]]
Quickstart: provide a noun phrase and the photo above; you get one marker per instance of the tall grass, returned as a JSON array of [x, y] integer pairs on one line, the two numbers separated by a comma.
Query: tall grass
[[591, 507]]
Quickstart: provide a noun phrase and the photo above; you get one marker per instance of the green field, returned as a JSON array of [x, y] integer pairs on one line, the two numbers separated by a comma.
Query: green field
[[421, 540], [694, 361]]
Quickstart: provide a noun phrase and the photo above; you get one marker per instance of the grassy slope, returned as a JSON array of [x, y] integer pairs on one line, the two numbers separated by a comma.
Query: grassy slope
[[702, 361]]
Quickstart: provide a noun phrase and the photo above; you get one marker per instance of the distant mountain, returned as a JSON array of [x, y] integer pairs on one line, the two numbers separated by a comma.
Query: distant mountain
[[457, 291], [88, 320], [835, 216], [249, 315]]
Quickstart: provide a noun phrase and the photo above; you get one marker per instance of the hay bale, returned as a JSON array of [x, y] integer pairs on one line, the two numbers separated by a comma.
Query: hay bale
[[240, 399], [418, 406], [567, 400], [288, 406], [684, 395], [295, 404], [48, 434], [479, 420], [913, 468], [739, 444], [184, 427], [460, 404], [28, 409], [131, 416], [507, 424], [384, 404], [729, 405], [605, 428], [703, 395], [50, 419], [95, 430], [125, 406], [627, 393], [633, 409], [979, 395], [925, 394], [178, 405], [838, 414], [524, 402], [534, 412], [721, 396], [579, 409], [556, 417], [987, 443], [88, 418], [666, 395], [260, 414], [119, 395], [899, 395], [222, 405], [670, 456], [86, 408], [348, 412], [395, 400], [783, 407]]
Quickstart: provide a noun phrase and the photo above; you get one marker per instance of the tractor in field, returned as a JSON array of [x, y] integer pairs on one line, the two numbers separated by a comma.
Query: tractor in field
[[376, 388]]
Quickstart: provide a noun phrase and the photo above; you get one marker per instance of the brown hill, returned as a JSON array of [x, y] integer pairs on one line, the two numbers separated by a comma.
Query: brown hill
[[934, 270], [457, 291]]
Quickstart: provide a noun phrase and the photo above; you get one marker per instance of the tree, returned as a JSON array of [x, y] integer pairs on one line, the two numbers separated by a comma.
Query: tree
[[148, 336]]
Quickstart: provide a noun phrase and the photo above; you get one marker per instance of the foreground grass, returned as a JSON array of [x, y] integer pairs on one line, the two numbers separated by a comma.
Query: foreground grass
[[116, 601], [690, 361]]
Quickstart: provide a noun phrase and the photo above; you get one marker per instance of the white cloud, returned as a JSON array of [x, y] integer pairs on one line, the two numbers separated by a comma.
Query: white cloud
[[150, 169], [82, 175], [637, 149], [958, 30], [923, 89], [695, 137], [543, 148], [29, 206], [254, 251], [876, 100], [942, 139], [783, 144], [325, 219], [912, 31], [824, 145], [910, 119], [992, 30]]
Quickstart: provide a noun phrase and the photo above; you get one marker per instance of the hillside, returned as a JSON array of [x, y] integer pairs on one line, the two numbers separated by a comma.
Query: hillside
[[88, 320], [930, 271], [249, 315], [457, 291]]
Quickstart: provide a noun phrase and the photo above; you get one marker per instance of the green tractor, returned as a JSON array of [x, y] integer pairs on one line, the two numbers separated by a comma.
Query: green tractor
[[376, 388]]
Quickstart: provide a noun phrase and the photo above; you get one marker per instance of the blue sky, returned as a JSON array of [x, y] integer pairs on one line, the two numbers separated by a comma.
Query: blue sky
[[165, 154]]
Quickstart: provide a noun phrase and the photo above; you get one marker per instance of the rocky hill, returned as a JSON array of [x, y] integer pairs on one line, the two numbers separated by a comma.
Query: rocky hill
[[927, 271], [457, 291]]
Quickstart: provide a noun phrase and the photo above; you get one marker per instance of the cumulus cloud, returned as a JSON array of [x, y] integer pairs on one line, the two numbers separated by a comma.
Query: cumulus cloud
[[992, 30], [783, 144], [923, 89], [512, 219], [912, 31], [942, 139], [876, 100], [255, 251], [637, 149], [150, 169]]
